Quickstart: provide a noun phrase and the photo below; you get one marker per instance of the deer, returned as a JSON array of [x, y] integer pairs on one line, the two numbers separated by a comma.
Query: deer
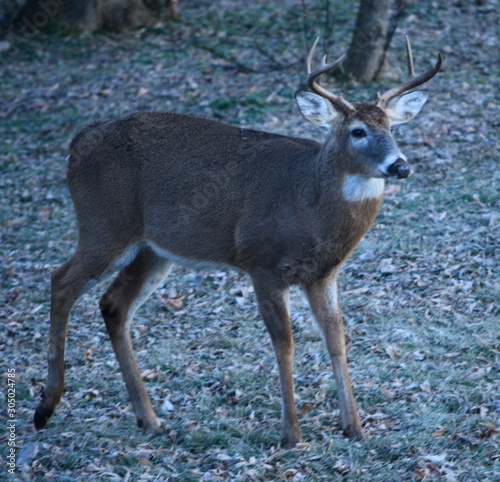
[[154, 189]]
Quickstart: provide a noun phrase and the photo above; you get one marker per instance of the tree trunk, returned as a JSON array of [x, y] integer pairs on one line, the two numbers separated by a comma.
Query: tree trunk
[[375, 26]]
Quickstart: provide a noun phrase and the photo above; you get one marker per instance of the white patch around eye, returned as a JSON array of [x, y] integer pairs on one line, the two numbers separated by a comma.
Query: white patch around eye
[[358, 125], [361, 188]]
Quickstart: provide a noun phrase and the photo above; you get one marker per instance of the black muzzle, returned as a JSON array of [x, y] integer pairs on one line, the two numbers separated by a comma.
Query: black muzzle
[[400, 169]]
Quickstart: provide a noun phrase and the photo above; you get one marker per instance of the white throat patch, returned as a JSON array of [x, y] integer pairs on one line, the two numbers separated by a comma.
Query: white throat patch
[[360, 188]]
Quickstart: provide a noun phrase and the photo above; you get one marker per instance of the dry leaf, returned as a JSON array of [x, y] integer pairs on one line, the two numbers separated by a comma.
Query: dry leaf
[[435, 458], [391, 190], [393, 352], [15, 221], [27, 454], [167, 406], [386, 266], [149, 374], [4, 45], [320, 396], [426, 386], [341, 467], [418, 473], [387, 393], [438, 433], [146, 463], [175, 303], [45, 212]]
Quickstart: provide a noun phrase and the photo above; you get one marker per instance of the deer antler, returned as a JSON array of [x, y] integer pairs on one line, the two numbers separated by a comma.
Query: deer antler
[[413, 81], [336, 100]]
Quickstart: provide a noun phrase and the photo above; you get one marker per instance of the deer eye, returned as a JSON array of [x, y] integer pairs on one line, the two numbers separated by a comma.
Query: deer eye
[[358, 133]]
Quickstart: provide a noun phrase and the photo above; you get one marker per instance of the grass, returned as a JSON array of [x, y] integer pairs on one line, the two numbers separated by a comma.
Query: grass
[[419, 294]]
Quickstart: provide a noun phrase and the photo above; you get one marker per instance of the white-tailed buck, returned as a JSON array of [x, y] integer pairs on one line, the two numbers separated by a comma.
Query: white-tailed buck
[[152, 189]]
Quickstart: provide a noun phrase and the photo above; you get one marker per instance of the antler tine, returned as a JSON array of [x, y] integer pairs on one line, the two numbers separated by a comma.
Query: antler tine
[[337, 100], [413, 81], [310, 55], [409, 58]]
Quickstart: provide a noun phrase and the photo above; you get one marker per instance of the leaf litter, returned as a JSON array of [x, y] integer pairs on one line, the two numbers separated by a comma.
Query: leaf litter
[[420, 294]]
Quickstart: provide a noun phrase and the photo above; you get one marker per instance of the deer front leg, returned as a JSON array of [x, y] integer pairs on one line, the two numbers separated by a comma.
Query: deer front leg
[[273, 306], [324, 301]]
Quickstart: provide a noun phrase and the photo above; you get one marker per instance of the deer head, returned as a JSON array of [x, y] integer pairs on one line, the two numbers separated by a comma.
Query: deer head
[[364, 130]]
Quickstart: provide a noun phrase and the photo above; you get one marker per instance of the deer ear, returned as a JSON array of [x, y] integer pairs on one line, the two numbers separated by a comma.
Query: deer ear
[[404, 108], [315, 108]]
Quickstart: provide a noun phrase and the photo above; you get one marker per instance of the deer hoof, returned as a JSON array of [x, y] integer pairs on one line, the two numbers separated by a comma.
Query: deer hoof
[[354, 433], [290, 440], [148, 426], [41, 416]]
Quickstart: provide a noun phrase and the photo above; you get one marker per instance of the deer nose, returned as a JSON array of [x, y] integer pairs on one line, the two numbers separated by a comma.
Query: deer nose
[[399, 168]]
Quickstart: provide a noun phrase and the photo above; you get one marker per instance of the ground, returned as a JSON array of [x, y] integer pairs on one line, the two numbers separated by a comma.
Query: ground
[[419, 295]]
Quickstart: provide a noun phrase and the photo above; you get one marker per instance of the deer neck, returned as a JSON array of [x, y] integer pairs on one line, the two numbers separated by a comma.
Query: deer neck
[[341, 183], [348, 203]]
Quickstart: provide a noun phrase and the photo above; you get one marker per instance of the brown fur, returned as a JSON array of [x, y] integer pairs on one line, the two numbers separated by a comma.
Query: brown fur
[[153, 188]]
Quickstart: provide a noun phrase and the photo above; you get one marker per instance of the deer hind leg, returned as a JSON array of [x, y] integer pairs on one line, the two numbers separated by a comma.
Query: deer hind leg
[[273, 306], [133, 285], [67, 283], [323, 298]]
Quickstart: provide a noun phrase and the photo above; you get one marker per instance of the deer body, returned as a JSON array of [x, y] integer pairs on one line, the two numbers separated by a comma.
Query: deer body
[[278, 205], [153, 189]]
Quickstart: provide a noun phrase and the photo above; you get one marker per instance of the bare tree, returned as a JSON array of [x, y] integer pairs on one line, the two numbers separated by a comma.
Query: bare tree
[[375, 25]]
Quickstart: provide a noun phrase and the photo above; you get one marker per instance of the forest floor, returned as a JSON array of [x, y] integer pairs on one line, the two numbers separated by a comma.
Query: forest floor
[[419, 295]]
